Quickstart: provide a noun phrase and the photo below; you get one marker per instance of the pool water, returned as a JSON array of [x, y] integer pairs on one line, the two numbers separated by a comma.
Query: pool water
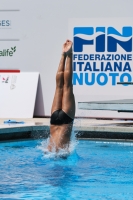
[[94, 170]]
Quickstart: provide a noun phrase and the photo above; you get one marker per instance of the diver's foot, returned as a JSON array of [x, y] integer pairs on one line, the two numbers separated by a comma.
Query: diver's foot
[[67, 48]]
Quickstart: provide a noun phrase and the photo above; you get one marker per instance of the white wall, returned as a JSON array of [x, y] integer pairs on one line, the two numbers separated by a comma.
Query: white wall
[[42, 27]]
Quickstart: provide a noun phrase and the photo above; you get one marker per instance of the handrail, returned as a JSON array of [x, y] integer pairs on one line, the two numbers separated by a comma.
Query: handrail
[[121, 83]]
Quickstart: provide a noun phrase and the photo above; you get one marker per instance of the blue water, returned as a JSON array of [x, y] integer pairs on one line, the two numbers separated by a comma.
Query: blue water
[[93, 170]]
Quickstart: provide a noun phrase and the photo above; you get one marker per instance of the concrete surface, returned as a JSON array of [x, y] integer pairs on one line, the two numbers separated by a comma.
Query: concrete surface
[[83, 128]]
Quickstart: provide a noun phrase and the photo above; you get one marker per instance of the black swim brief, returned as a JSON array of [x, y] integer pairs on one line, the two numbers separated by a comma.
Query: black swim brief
[[59, 117]]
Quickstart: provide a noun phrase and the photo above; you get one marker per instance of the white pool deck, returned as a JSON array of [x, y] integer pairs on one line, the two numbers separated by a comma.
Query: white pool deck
[[88, 125]]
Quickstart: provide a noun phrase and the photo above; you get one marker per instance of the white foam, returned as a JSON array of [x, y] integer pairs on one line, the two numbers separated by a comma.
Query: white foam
[[62, 153], [116, 142]]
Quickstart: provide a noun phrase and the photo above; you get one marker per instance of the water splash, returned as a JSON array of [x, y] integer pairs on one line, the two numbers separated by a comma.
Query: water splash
[[62, 153]]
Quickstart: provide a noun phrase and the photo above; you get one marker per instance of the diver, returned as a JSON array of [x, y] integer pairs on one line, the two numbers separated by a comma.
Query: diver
[[63, 107]]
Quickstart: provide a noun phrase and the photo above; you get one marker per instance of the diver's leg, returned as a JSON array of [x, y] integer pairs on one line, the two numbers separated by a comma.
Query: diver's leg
[[68, 101], [60, 135], [57, 101]]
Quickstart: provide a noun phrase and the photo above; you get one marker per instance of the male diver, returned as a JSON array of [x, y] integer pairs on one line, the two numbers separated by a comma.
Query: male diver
[[63, 107]]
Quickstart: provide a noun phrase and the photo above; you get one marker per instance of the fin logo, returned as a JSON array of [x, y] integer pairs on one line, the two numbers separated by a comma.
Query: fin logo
[[104, 39]]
